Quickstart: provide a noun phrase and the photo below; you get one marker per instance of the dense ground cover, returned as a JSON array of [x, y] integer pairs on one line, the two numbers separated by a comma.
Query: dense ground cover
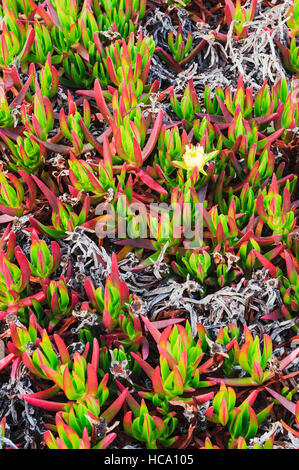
[[149, 288]]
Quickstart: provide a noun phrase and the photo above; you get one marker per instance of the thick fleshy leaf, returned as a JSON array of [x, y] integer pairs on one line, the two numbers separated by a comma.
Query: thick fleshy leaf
[[290, 406], [151, 183], [289, 358], [223, 412], [152, 329], [148, 369], [113, 409], [6, 360], [107, 440], [46, 405], [62, 349]]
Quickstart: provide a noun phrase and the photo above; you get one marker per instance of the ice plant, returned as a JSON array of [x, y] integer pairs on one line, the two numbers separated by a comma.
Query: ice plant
[[205, 134], [85, 422], [180, 50], [132, 58], [2, 431], [130, 141], [246, 252], [244, 204], [223, 228], [82, 72], [281, 101], [242, 134], [103, 181], [129, 7], [165, 229], [13, 199], [197, 263], [60, 301], [290, 55], [223, 403], [26, 154], [64, 219], [41, 122], [220, 163], [179, 3], [287, 109], [44, 354], [212, 105], [179, 370], [253, 360], [80, 382], [74, 127], [13, 279], [69, 439], [113, 300], [171, 146], [18, 6], [188, 107], [209, 445], [23, 338], [76, 377], [265, 167], [226, 268], [241, 421], [240, 443], [241, 97], [150, 429], [42, 262], [239, 16], [277, 104], [124, 101], [15, 39], [40, 45], [290, 287], [293, 18], [48, 78], [8, 242], [275, 210], [114, 303], [99, 181], [6, 116], [224, 337], [244, 422]]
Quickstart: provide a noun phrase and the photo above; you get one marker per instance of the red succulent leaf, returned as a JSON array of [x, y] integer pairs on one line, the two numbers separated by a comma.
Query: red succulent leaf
[[107, 440], [46, 405], [153, 137], [151, 328], [92, 380], [148, 369], [113, 409], [266, 263], [290, 406], [289, 358], [170, 360], [7, 360]]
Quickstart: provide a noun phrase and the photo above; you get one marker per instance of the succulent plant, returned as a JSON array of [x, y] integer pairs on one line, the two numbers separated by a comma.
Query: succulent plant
[[150, 429], [239, 16]]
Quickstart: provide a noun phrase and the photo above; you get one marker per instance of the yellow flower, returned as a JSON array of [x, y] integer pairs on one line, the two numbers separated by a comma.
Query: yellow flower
[[195, 157]]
